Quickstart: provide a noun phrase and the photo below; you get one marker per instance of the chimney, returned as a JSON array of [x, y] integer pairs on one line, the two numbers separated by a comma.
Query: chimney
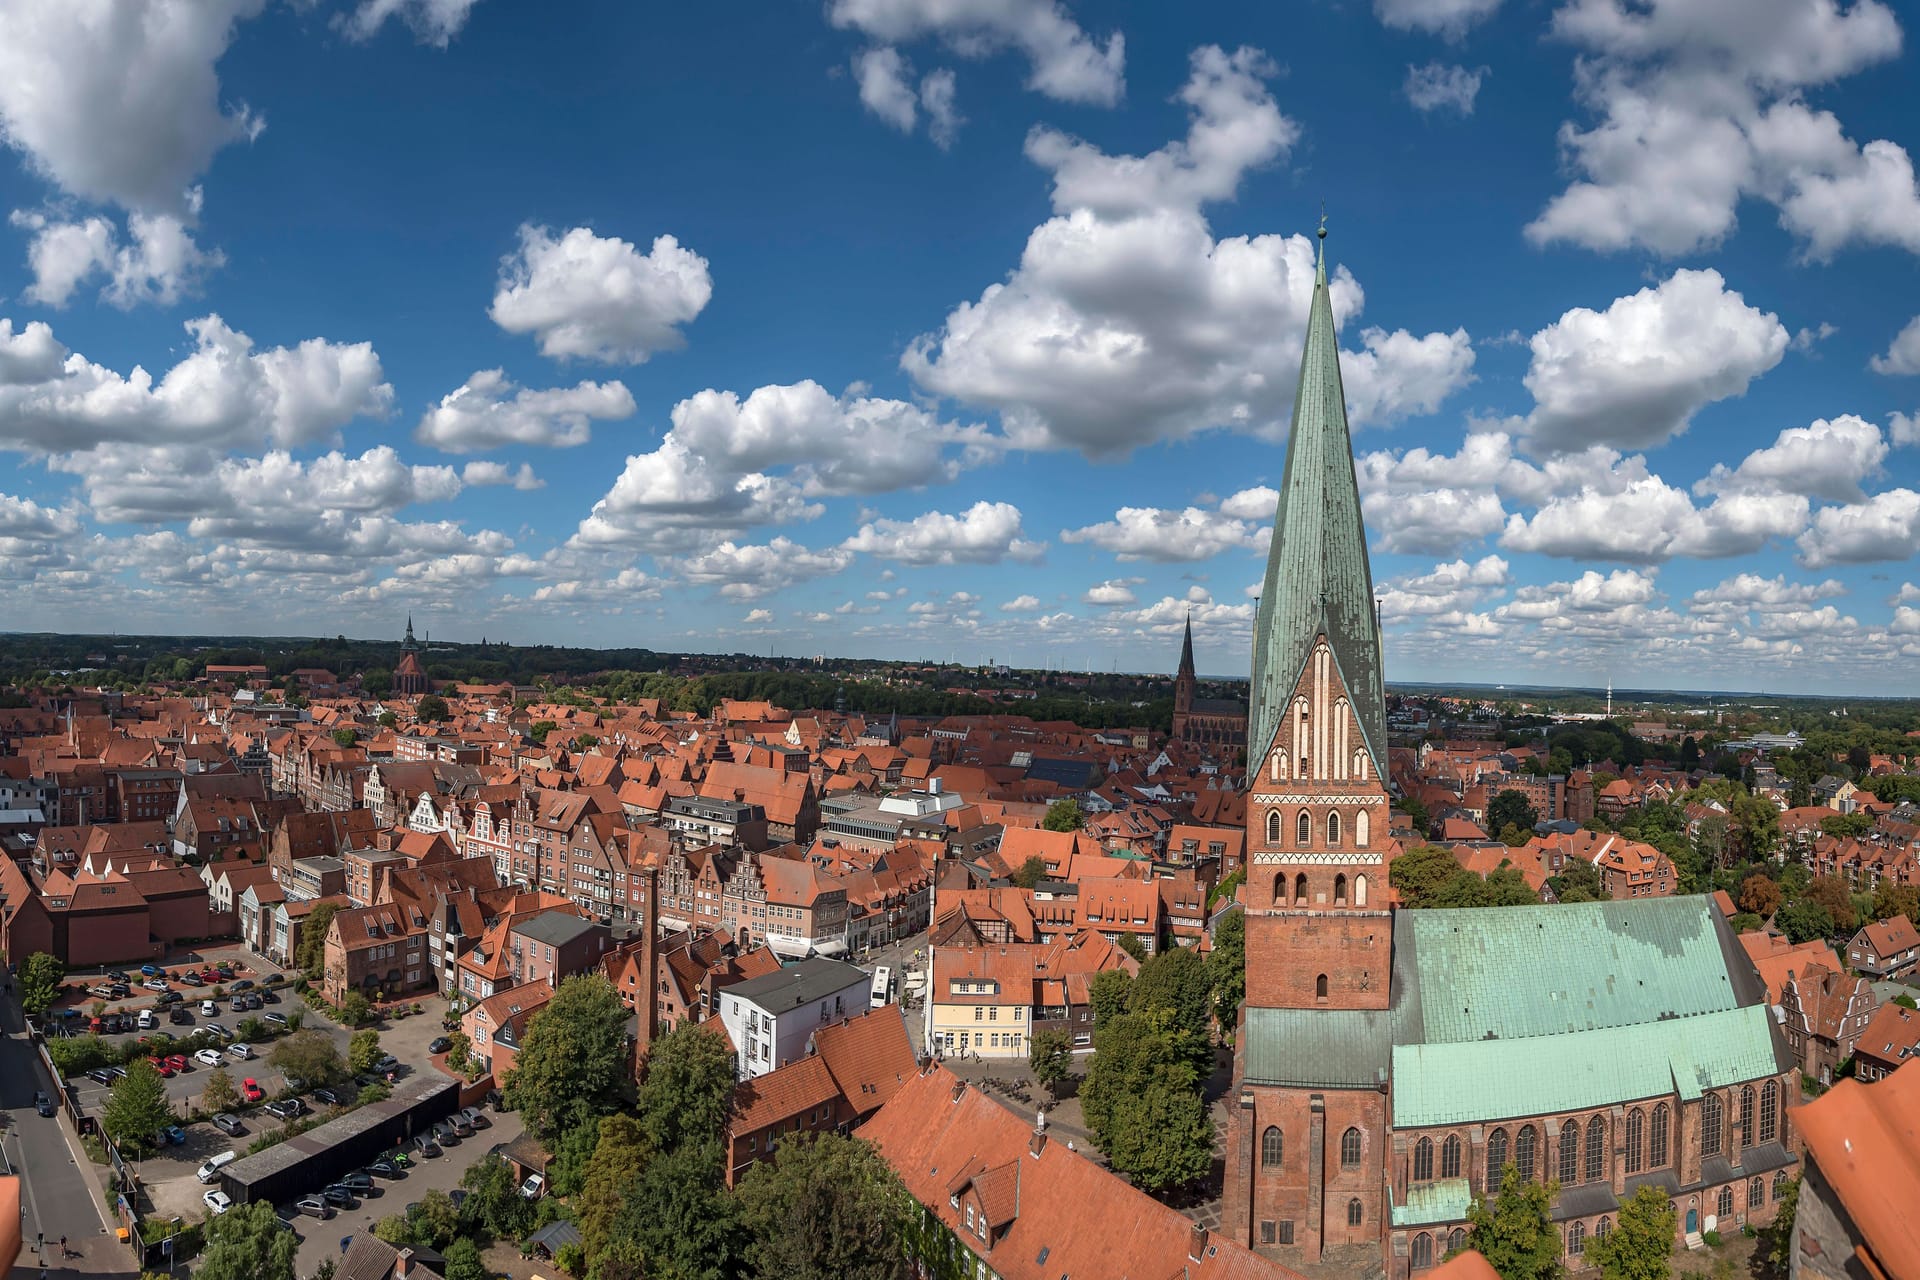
[[1036, 1143], [959, 1089], [1197, 1243], [402, 1263]]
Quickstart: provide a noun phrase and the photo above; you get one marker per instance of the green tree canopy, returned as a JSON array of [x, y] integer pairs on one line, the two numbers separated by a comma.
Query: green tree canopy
[[1803, 920], [1512, 1229], [1511, 808], [1063, 815], [218, 1094], [346, 737], [827, 1207], [1578, 881], [1030, 873], [687, 1093], [572, 1065], [431, 709], [363, 1050], [1177, 981], [1107, 995], [1227, 967], [1143, 1102], [137, 1106], [620, 1151], [1640, 1246], [246, 1243], [436, 1219], [310, 1056], [680, 1218], [1050, 1056], [1892, 899], [464, 1261], [40, 978], [1843, 826], [1421, 874], [313, 938]]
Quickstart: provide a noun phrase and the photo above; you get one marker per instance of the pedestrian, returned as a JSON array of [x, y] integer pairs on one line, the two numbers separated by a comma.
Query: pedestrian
[[63, 1247]]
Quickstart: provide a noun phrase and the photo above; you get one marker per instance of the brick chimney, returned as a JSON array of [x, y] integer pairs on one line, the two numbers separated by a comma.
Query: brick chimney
[[402, 1264], [1036, 1143], [1197, 1243], [647, 1011]]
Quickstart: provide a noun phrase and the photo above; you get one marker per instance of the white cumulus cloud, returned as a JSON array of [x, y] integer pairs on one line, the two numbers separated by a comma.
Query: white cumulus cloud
[[598, 297], [489, 410]]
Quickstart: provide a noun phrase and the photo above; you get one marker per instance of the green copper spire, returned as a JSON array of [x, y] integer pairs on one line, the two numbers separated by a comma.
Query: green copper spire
[[1318, 577]]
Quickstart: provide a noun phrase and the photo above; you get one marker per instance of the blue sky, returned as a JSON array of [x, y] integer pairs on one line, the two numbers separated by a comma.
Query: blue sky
[[966, 328]]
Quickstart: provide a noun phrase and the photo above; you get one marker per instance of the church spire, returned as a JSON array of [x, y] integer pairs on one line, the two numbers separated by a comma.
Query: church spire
[[1186, 649], [1318, 577]]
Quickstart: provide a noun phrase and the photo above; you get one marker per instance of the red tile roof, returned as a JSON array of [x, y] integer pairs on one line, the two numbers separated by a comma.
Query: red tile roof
[[1865, 1139]]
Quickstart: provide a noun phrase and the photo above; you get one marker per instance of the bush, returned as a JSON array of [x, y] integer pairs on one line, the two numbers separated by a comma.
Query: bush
[[1711, 1239], [572, 1259]]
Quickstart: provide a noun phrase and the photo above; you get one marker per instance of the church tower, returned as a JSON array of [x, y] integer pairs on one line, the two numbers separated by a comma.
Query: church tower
[[1183, 685], [1306, 1158]]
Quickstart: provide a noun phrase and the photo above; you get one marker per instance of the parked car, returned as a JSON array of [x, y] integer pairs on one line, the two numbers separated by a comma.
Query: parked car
[[313, 1206], [358, 1183], [178, 1061], [287, 1109], [386, 1063], [218, 1030], [229, 1124], [150, 970], [175, 1135], [209, 1057], [100, 1075], [245, 984], [119, 991], [275, 1017], [180, 1016], [155, 984], [171, 997], [240, 1051], [193, 980], [533, 1186], [42, 1102], [218, 1201], [270, 995], [461, 1125], [208, 1008], [384, 1168], [101, 991], [238, 1004], [445, 1134], [209, 977], [250, 1090], [326, 1097], [496, 1100], [224, 968], [440, 1045], [339, 1196], [476, 1117], [116, 975], [426, 1146], [163, 1067]]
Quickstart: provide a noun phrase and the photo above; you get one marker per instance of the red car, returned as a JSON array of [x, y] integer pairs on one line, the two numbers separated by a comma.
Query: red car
[[178, 1061], [162, 1066], [209, 977], [251, 1089]]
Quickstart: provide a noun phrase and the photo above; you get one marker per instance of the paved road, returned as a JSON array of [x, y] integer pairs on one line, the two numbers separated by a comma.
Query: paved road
[[59, 1196]]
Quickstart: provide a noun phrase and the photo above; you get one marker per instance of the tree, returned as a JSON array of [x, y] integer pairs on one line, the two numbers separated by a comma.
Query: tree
[[1133, 947], [1416, 811], [137, 1106], [1512, 1230], [826, 1207], [1640, 1246], [1781, 1254], [313, 938], [1755, 825], [1759, 894], [1176, 980], [1844, 826], [363, 1050], [620, 1152], [40, 978], [355, 1008], [1063, 815], [1143, 1102], [1107, 995], [1578, 881], [346, 737], [688, 1090], [1832, 893], [1803, 920], [308, 1056], [1507, 887], [431, 709], [463, 1261], [494, 1204], [395, 1229], [1892, 899], [1227, 967], [459, 1047], [436, 1220], [1421, 873], [219, 1094], [680, 1217], [539, 730], [247, 1243], [1511, 808], [1050, 1056], [1030, 873], [388, 720]]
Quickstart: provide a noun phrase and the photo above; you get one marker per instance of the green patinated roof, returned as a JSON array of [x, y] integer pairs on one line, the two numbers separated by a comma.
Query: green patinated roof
[[1330, 1048], [1520, 972], [1442, 1200], [1317, 569], [1482, 1080]]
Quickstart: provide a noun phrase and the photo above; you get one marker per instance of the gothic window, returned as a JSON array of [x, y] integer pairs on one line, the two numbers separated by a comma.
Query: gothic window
[[1746, 1116], [1300, 890], [1333, 831], [1320, 987], [1636, 1126], [1303, 830], [1350, 1149], [1601, 1229], [1422, 1252], [1423, 1160], [1525, 1150], [1657, 1140], [1725, 1206], [1360, 829], [1360, 888], [1496, 1158], [1596, 1149], [1457, 1241], [1770, 1111], [1713, 1124], [1354, 1213], [1340, 890], [1280, 889], [1450, 1157], [1756, 1194], [1272, 1147], [1576, 1239], [1273, 827], [1278, 768], [1360, 765], [1779, 1185], [1569, 1153]]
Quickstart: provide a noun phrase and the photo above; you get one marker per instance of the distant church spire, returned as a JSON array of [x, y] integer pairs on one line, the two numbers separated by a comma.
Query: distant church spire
[[1186, 648], [1318, 577], [1183, 682], [408, 643]]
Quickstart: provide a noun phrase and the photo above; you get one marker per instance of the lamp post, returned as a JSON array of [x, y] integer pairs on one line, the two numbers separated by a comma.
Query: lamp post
[[167, 1246]]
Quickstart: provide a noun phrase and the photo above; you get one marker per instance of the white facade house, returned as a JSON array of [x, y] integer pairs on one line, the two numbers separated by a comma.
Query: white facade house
[[770, 1019]]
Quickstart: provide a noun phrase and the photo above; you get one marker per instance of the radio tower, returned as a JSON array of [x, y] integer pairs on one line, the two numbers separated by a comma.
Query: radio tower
[[1609, 699]]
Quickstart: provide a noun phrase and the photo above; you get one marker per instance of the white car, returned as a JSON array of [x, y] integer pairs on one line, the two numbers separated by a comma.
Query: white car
[[218, 1201], [208, 1008], [209, 1058], [240, 1050]]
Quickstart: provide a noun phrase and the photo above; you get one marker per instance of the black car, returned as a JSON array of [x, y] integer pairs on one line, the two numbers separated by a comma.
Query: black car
[[115, 975], [340, 1196], [496, 1100], [326, 1097], [180, 1015], [245, 984], [358, 1183], [172, 997], [440, 1045], [383, 1169], [120, 991], [268, 994], [42, 1103], [100, 1075]]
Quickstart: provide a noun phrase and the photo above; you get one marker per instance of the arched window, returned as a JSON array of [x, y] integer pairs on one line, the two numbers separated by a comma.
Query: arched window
[[1280, 889], [1779, 1185], [1360, 891], [1636, 1136], [1770, 1111], [1355, 1213], [1569, 1153], [1278, 769], [1756, 1194], [1450, 1157], [1724, 1207], [1526, 1147], [1360, 765], [1576, 1239], [1273, 827], [1272, 1147], [1713, 1125], [1340, 890], [1457, 1241], [1304, 830], [1300, 890], [1601, 1228], [1657, 1139], [1361, 829], [1496, 1158], [1746, 1116], [1596, 1149], [1423, 1160], [1320, 987], [1422, 1252], [1333, 830], [1350, 1149]]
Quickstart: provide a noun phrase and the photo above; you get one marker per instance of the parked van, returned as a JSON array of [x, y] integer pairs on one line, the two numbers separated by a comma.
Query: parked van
[[211, 1169], [882, 992]]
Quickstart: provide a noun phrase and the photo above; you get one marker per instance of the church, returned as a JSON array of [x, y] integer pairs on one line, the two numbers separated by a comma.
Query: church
[[1219, 723], [1390, 1062]]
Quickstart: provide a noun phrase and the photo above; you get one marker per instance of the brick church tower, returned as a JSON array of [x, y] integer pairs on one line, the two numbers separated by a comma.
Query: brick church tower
[[1307, 1158]]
